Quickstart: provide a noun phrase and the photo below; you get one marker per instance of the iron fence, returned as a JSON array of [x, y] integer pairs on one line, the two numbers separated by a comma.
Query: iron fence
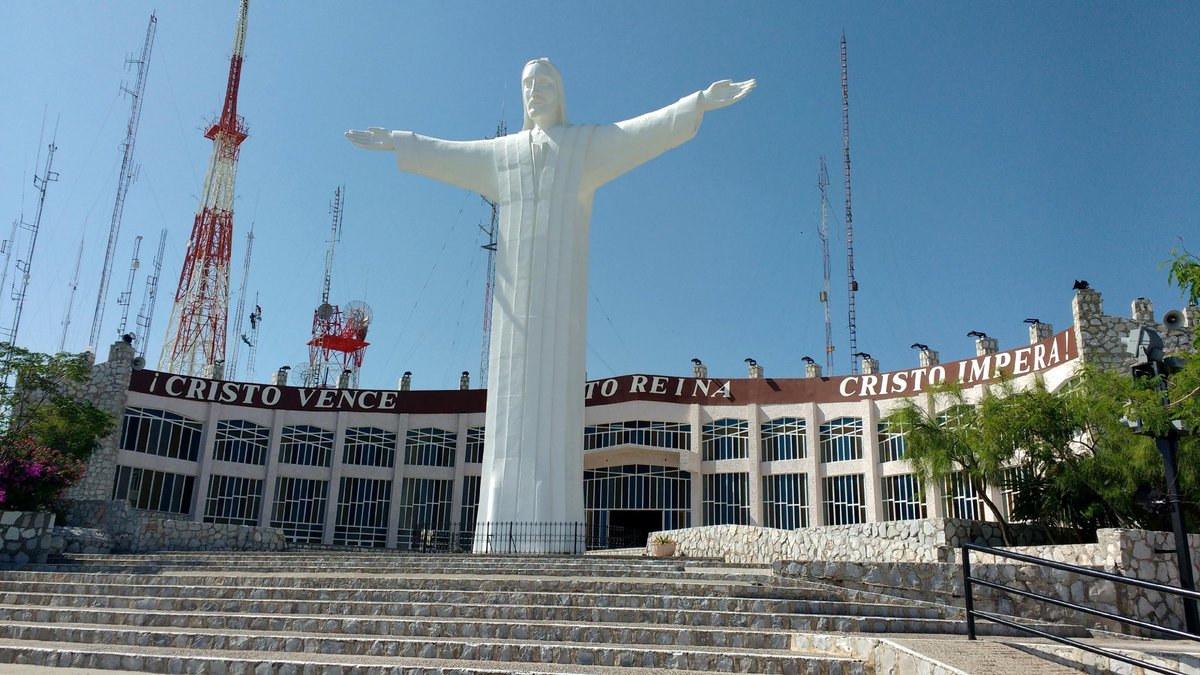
[[969, 582], [513, 537]]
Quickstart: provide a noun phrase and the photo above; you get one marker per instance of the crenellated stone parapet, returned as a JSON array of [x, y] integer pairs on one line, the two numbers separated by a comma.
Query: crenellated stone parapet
[[107, 389], [1099, 334]]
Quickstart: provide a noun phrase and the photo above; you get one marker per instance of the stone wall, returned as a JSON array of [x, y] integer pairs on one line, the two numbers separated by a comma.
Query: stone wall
[[25, 535], [928, 540], [134, 531], [107, 391], [1100, 335], [921, 560]]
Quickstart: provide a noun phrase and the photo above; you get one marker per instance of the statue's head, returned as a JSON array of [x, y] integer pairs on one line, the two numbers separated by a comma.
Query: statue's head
[[542, 95]]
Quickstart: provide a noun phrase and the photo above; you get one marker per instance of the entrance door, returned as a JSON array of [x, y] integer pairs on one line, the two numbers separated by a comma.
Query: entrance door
[[637, 525]]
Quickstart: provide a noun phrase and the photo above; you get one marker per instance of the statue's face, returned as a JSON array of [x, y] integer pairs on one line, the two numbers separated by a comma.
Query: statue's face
[[540, 92]]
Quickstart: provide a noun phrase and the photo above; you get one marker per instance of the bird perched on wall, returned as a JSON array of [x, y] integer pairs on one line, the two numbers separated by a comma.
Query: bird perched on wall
[[696, 362], [1080, 285], [752, 362], [918, 345], [807, 359], [977, 334]]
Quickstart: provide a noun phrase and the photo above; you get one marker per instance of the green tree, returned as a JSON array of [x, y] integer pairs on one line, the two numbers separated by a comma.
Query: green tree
[[950, 435], [46, 432], [1070, 457]]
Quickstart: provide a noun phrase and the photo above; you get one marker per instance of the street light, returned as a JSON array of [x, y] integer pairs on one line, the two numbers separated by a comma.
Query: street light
[[1146, 346]]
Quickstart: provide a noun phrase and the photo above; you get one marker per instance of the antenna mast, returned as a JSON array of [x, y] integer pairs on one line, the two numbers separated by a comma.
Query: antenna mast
[[146, 311], [66, 322], [485, 348], [195, 340], [232, 362], [851, 282], [326, 318], [341, 330], [123, 299], [23, 266], [127, 176], [823, 233], [252, 356]]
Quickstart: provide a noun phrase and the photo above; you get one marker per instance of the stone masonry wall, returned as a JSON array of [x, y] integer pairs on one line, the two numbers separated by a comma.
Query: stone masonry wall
[[134, 531], [106, 390], [921, 560], [1099, 335], [929, 540], [25, 536]]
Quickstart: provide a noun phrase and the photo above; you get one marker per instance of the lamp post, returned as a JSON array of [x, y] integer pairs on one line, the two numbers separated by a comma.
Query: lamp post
[[1146, 346]]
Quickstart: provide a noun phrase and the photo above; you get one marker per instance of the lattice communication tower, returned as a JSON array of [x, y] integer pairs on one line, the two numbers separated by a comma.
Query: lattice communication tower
[[149, 294], [127, 176], [25, 265], [485, 348], [823, 233], [74, 286], [195, 340], [851, 282], [231, 365], [126, 296], [339, 334]]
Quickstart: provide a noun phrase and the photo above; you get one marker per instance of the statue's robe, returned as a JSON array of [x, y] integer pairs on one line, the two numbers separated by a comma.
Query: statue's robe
[[544, 183]]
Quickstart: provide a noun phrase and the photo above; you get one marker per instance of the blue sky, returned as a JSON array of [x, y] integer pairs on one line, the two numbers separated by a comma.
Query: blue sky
[[1000, 151]]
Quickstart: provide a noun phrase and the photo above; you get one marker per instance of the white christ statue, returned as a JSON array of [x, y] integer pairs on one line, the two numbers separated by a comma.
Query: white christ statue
[[543, 178]]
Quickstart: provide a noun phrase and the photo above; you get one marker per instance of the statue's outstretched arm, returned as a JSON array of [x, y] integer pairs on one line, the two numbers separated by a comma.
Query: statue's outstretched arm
[[374, 138], [724, 93]]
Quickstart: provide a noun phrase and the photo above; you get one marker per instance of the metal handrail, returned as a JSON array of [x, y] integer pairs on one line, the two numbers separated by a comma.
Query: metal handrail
[[969, 602]]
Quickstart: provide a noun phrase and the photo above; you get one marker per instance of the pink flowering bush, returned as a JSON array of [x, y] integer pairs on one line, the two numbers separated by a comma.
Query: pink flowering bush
[[33, 475]]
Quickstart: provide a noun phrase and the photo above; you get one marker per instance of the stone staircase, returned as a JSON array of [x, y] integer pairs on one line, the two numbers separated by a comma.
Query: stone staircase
[[344, 612]]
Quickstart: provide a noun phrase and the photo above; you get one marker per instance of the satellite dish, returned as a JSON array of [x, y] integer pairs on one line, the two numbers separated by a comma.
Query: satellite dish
[[324, 311], [299, 375], [357, 315]]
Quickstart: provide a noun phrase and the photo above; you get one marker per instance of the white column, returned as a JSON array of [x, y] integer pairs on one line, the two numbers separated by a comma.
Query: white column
[[335, 474], [401, 429], [754, 463]]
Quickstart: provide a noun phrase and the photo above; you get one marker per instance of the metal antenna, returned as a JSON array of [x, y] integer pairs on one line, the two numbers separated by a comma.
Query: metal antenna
[[485, 347], [255, 322], [231, 363], [327, 317], [24, 266], [66, 322], [146, 311], [127, 176], [823, 233], [851, 282], [123, 300]]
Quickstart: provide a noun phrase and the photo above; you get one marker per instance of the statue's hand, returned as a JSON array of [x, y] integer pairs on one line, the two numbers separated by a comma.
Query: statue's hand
[[374, 138], [723, 93]]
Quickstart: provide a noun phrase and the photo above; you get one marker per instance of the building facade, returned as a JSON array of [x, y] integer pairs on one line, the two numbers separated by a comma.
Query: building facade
[[373, 468]]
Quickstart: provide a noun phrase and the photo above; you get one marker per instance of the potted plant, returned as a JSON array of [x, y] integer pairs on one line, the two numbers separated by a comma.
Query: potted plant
[[662, 546]]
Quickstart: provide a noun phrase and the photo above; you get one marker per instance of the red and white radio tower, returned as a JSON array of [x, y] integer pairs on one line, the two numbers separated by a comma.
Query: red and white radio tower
[[195, 341], [339, 334]]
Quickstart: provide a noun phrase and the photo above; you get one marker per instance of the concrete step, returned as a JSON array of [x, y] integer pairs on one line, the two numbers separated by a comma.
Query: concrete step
[[300, 646], [500, 628], [366, 612], [466, 605], [23, 658], [411, 561]]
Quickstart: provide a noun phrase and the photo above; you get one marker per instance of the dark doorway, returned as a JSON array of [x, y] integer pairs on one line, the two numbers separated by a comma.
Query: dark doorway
[[637, 524]]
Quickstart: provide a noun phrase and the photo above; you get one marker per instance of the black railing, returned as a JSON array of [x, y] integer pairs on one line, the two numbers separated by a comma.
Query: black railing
[[512, 537], [969, 582]]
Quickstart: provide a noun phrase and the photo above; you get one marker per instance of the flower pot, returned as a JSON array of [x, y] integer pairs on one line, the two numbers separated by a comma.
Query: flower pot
[[662, 549]]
